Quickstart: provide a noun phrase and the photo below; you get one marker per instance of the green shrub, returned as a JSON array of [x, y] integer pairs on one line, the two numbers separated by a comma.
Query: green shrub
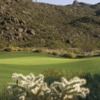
[[4, 94], [20, 49], [93, 83], [50, 53], [40, 50], [69, 55], [2, 44], [56, 53], [52, 75], [27, 49], [8, 49]]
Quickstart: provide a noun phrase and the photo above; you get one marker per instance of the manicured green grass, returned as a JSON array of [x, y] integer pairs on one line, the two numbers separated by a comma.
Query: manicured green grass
[[22, 62]]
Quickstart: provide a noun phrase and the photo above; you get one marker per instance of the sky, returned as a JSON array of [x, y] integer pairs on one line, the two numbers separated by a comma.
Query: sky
[[66, 2]]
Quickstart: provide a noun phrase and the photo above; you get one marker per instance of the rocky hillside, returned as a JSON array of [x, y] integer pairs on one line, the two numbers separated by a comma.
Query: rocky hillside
[[27, 23]]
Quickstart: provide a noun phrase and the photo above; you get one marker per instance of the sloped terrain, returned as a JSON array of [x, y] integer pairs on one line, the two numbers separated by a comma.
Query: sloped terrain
[[27, 23]]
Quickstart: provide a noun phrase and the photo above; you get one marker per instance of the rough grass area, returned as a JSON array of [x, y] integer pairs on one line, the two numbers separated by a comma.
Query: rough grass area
[[22, 62]]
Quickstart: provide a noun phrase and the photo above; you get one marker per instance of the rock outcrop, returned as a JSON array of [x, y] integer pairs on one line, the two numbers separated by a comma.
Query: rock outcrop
[[76, 3]]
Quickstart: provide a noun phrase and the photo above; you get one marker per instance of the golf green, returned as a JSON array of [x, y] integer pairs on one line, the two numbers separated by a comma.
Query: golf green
[[29, 62]]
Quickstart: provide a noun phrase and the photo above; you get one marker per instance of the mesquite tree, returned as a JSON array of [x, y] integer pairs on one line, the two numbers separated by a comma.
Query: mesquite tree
[[34, 88]]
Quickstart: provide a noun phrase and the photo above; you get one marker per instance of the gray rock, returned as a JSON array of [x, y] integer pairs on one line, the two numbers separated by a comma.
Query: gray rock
[[22, 22], [76, 3], [9, 1], [31, 32], [7, 28], [1, 32], [23, 1], [20, 35], [12, 28], [12, 38], [69, 41], [20, 30], [15, 20]]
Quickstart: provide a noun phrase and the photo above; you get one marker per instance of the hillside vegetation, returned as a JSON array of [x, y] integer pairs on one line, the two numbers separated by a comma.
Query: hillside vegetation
[[26, 23]]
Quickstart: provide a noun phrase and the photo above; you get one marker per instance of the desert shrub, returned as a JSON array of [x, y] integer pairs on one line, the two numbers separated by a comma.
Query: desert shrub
[[50, 53], [88, 46], [55, 44], [81, 55], [52, 75], [8, 49], [56, 53], [93, 83], [4, 94], [2, 44], [27, 49], [40, 50], [69, 55], [76, 51], [20, 49]]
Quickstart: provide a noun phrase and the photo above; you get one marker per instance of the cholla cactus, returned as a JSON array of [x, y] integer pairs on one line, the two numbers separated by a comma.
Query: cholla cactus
[[38, 89], [69, 88], [30, 84]]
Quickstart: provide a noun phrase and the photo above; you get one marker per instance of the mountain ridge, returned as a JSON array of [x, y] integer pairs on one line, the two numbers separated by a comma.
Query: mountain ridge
[[44, 25]]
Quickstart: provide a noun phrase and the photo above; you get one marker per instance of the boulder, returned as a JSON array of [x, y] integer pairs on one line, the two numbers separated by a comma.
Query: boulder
[[31, 32], [69, 41], [23, 1], [76, 3], [12, 28], [15, 20], [9, 1], [1, 32], [20, 30], [7, 28], [22, 22]]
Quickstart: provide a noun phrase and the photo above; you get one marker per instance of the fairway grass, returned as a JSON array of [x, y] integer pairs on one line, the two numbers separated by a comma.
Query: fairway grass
[[27, 62]]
